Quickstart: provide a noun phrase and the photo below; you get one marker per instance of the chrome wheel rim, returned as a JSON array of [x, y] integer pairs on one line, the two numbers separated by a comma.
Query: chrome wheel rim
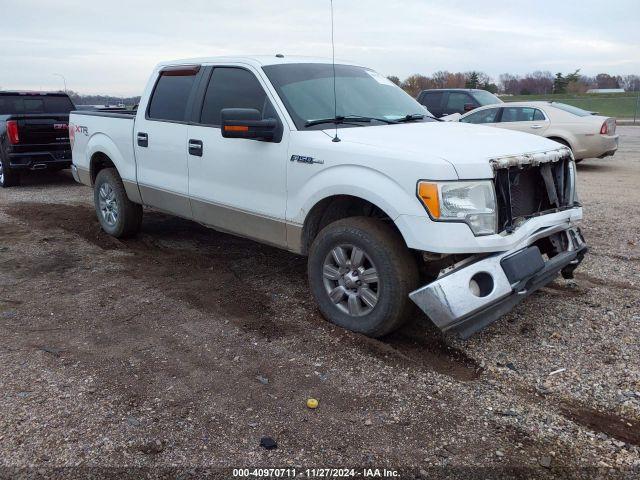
[[108, 204], [351, 280], [1, 174]]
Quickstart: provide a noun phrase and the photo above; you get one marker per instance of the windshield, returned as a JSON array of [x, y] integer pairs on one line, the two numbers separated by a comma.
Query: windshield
[[571, 109], [26, 104], [486, 98], [306, 89]]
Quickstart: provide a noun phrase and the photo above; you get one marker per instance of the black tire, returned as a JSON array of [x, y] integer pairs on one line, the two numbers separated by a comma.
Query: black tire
[[129, 214], [396, 268], [8, 176]]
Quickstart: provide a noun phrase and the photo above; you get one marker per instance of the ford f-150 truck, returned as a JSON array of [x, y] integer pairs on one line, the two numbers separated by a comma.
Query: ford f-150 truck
[[338, 164], [33, 133]]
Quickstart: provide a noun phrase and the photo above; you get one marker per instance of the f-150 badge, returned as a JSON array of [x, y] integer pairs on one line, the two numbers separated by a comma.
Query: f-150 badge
[[303, 159]]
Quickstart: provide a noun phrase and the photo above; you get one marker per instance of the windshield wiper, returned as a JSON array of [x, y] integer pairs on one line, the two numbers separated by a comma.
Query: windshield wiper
[[415, 116], [346, 119]]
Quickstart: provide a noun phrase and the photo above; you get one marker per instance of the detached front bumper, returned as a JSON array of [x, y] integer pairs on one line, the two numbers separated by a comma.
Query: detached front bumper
[[479, 292]]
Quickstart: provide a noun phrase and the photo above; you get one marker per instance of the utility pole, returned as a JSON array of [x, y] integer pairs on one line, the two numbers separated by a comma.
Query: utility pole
[[63, 79]]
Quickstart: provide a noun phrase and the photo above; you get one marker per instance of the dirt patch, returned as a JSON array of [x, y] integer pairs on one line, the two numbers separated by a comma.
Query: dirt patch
[[205, 279], [417, 345], [424, 345], [562, 290], [77, 219], [606, 283], [613, 425]]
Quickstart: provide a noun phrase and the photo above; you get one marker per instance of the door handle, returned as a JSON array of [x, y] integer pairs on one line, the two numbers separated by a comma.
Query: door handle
[[195, 148], [536, 126], [143, 139]]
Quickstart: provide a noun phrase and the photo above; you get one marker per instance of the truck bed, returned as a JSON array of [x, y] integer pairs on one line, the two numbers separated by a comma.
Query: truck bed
[[111, 130], [98, 113]]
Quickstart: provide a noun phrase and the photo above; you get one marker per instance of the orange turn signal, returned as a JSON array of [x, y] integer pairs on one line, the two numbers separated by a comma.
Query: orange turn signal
[[235, 128], [428, 193]]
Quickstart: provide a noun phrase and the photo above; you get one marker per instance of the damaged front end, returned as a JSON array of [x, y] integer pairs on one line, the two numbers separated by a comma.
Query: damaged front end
[[473, 293], [530, 185]]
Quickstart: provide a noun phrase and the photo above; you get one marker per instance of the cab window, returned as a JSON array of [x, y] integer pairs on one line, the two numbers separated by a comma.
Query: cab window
[[488, 115], [233, 88]]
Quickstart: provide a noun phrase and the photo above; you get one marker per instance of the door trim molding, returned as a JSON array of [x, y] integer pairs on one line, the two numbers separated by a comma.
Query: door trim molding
[[165, 200], [227, 219]]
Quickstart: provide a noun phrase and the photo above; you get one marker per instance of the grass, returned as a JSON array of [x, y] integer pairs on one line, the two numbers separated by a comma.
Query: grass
[[620, 105]]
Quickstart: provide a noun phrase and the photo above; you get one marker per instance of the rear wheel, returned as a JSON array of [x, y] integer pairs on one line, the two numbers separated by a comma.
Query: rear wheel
[[118, 215], [360, 273], [8, 176]]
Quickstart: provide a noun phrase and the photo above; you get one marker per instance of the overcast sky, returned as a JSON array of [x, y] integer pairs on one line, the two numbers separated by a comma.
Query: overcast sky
[[110, 47]]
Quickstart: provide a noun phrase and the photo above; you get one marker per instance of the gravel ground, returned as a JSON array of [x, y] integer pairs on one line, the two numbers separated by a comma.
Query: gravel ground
[[172, 354]]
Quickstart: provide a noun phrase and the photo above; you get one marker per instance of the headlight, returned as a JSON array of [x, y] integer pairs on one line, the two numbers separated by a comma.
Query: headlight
[[471, 202]]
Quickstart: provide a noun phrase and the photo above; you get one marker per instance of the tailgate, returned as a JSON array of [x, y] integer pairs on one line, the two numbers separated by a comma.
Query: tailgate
[[43, 129]]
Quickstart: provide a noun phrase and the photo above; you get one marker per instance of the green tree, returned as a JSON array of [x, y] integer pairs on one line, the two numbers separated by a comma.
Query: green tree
[[473, 80], [573, 77], [489, 87], [560, 83]]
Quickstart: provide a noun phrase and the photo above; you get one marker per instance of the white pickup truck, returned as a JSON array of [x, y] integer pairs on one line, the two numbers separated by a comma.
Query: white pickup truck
[[390, 206]]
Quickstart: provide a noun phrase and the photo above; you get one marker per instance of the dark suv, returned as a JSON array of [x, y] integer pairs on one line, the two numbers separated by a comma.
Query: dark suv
[[34, 133], [445, 101]]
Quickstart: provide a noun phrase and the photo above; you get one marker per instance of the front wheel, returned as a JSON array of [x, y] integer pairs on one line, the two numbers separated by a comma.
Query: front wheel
[[118, 215], [360, 273]]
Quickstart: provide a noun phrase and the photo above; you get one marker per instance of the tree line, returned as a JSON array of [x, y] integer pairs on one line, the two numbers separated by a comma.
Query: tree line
[[535, 83], [79, 99]]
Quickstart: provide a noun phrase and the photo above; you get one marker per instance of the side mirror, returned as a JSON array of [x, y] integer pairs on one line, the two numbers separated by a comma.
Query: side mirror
[[468, 107], [247, 123]]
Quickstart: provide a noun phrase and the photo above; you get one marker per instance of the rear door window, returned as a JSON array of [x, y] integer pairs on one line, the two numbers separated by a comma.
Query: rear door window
[[489, 115], [521, 114], [171, 94], [233, 88]]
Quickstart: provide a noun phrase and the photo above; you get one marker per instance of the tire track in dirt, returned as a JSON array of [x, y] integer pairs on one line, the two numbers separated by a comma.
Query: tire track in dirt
[[623, 429]]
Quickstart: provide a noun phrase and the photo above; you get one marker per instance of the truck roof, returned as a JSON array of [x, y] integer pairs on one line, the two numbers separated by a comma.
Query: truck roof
[[256, 60], [31, 92]]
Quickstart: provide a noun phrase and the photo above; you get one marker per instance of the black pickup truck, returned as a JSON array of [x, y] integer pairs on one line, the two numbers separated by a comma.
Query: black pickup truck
[[33, 133]]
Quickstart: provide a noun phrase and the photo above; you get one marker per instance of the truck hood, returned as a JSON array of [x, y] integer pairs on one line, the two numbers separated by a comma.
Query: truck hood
[[473, 150]]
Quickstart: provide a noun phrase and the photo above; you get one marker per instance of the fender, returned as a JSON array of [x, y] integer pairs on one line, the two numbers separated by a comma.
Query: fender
[[336, 180], [562, 135], [101, 143]]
